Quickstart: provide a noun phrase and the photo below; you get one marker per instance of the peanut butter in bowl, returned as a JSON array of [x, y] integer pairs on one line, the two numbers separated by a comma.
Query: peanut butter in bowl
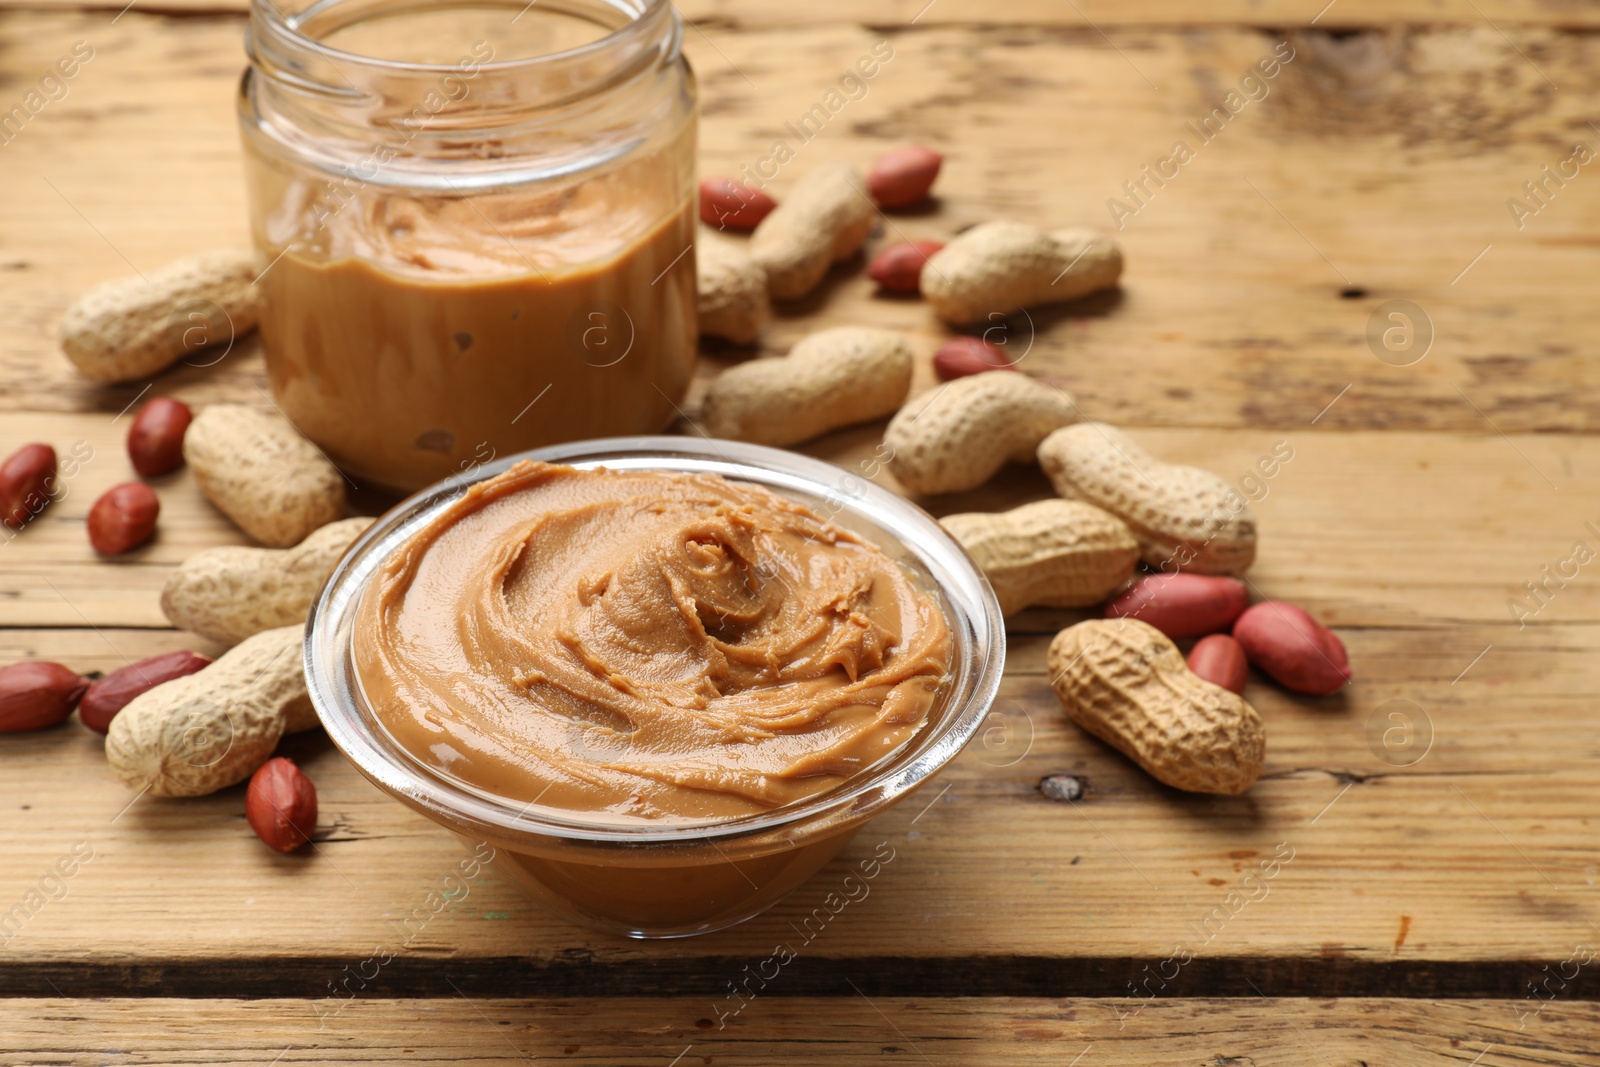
[[664, 679], [645, 645]]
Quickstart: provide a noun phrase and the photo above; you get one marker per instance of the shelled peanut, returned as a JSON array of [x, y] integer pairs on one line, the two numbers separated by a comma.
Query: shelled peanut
[[962, 357], [1182, 605], [109, 695], [280, 805], [728, 204], [898, 268], [1219, 660], [27, 484], [155, 440], [1298, 652], [903, 176], [37, 695], [123, 518]]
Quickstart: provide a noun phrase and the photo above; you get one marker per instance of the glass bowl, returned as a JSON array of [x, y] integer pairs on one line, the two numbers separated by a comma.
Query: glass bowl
[[676, 879]]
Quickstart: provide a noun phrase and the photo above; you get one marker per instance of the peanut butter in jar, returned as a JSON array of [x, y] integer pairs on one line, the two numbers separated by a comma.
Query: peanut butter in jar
[[479, 224]]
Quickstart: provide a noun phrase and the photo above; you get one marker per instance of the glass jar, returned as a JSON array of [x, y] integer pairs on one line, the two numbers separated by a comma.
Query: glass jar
[[681, 877], [479, 224]]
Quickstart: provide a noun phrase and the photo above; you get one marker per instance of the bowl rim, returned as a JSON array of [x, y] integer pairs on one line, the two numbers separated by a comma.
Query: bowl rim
[[970, 606]]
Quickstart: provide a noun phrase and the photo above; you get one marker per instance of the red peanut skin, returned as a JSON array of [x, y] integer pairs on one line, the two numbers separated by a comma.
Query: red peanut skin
[[961, 357], [1182, 605], [1219, 660], [37, 695], [112, 693], [281, 805], [733, 205], [26, 479], [903, 176], [1295, 650], [155, 440], [123, 518], [898, 268]]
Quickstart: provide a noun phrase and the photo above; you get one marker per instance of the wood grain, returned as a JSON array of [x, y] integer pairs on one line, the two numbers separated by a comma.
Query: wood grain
[[1482, 851], [779, 1032], [1365, 528], [1379, 166], [1419, 501], [725, 15]]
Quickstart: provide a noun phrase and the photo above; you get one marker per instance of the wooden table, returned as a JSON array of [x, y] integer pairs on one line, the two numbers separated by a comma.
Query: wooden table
[[1441, 903]]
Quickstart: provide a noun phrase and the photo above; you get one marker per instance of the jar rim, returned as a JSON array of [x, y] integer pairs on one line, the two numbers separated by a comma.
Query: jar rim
[[286, 29], [976, 625]]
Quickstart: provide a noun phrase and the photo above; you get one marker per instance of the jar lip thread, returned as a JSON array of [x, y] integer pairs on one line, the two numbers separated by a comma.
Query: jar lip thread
[[269, 23]]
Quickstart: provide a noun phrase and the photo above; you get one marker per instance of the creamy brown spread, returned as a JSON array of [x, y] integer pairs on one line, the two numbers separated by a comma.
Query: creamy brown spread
[[645, 645], [411, 338]]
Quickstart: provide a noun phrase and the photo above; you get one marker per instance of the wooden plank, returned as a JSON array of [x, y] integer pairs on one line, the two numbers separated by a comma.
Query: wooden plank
[[1366, 528], [99, 650], [726, 15], [1380, 163], [1458, 875], [1139, 13], [778, 1032]]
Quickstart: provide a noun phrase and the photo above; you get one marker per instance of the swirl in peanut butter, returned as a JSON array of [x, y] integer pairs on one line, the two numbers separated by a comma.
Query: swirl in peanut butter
[[645, 645]]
